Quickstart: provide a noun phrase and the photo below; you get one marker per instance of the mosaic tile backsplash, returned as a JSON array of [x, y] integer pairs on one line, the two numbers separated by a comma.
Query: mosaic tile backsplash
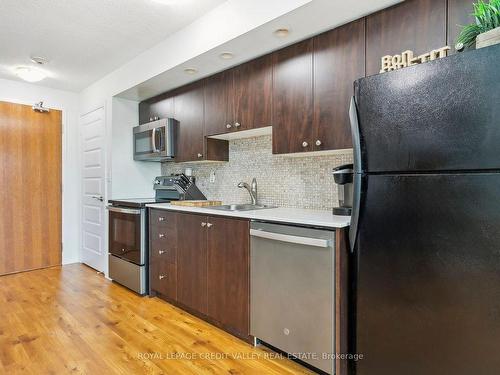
[[284, 181]]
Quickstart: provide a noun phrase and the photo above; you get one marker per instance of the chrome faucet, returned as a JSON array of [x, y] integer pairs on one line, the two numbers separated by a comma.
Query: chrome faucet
[[252, 190]]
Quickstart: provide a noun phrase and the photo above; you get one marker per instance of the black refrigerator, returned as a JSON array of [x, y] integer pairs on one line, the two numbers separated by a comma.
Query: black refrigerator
[[425, 233]]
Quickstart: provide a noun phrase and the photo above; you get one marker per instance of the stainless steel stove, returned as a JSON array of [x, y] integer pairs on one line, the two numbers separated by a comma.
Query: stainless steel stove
[[128, 230]]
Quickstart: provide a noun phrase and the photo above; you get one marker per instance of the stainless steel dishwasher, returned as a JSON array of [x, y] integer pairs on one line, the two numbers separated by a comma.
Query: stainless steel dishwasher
[[292, 291]]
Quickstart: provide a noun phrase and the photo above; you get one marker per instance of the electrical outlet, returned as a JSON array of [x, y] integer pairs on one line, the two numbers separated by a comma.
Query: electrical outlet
[[212, 176]]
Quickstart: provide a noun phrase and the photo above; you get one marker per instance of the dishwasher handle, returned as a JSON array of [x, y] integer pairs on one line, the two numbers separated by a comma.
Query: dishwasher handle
[[317, 242]]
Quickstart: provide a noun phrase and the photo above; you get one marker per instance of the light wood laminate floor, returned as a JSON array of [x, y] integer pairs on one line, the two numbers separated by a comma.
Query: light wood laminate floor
[[72, 320]]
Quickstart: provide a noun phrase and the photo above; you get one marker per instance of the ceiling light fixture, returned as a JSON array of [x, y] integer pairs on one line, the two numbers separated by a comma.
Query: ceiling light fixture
[[190, 71], [30, 74], [281, 33], [226, 55]]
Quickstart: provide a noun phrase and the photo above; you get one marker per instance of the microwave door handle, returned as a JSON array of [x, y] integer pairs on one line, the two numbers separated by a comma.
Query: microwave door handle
[[153, 140]]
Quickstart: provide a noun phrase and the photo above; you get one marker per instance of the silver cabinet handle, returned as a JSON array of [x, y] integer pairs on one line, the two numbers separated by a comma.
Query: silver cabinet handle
[[318, 143], [161, 235], [203, 224], [317, 242], [97, 197], [161, 252], [161, 277], [200, 155], [237, 124], [229, 126], [305, 144], [161, 218], [123, 250], [209, 225]]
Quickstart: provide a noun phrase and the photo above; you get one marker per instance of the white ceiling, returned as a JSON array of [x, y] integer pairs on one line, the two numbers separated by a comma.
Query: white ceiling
[[86, 39]]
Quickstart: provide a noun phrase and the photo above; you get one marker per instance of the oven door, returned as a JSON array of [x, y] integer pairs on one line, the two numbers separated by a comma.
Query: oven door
[[127, 234], [149, 141]]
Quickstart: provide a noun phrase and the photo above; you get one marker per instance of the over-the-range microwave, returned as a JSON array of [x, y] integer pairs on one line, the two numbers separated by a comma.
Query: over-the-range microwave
[[155, 140]]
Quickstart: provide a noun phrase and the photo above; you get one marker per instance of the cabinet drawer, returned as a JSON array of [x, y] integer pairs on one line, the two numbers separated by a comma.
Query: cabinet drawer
[[164, 278], [162, 226], [161, 218], [163, 250]]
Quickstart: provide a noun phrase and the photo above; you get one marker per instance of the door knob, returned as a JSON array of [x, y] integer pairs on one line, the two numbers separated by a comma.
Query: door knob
[[237, 124], [305, 144], [318, 143], [229, 126]]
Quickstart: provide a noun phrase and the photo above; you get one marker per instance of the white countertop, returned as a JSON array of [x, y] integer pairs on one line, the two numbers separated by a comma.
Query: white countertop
[[317, 218]]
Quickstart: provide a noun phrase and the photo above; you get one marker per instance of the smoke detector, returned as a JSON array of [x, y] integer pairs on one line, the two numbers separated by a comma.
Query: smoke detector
[[39, 60]]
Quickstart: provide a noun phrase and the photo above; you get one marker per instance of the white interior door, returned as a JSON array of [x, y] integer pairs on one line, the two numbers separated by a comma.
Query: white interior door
[[93, 249]]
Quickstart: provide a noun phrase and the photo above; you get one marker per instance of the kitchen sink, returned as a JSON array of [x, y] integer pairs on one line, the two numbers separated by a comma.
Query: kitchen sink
[[240, 207]]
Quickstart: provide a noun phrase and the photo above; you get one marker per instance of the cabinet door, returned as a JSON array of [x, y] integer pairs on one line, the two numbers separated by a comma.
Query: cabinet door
[[188, 108], [228, 273], [459, 14], [293, 98], [161, 106], [218, 103], [339, 59], [252, 94], [192, 261], [417, 25]]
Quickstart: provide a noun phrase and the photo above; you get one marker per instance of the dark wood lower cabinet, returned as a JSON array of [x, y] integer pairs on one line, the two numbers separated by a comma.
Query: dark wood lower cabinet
[[164, 278], [202, 264], [228, 273], [192, 262]]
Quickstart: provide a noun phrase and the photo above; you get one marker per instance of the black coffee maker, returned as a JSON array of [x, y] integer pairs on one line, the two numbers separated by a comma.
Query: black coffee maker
[[343, 177]]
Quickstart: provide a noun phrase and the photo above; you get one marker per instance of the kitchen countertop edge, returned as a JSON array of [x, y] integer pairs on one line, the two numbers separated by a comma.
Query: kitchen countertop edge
[[297, 216]]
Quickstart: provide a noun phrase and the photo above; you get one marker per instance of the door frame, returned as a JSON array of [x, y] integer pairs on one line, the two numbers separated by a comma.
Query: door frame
[[64, 164], [107, 181]]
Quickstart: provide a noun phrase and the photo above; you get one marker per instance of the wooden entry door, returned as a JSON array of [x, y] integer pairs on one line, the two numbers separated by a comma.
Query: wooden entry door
[[30, 188]]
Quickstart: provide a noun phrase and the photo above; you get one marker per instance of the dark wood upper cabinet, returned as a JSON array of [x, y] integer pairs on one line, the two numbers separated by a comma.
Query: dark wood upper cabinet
[[417, 25], [339, 59], [252, 94], [188, 110], [459, 14], [218, 103], [161, 106], [293, 98], [192, 262], [303, 90], [228, 273]]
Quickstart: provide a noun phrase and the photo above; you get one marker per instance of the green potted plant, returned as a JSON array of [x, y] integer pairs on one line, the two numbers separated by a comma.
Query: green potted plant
[[486, 30]]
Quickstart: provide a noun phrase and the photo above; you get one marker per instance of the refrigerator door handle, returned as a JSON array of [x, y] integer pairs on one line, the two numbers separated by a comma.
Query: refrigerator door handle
[[356, 203], [353, 230], [356, 143]]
